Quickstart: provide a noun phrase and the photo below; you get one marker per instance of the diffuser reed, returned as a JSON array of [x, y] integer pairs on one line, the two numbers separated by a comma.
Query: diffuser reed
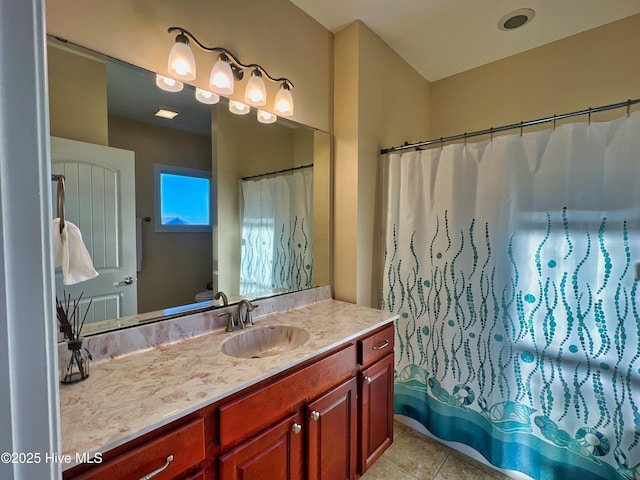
[[75, 364]]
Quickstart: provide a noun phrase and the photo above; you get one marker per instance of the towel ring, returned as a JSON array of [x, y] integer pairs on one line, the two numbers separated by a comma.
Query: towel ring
[[60, 198]]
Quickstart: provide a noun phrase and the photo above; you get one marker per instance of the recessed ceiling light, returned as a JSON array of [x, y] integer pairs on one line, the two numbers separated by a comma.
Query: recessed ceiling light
[[166, 113], [516, 19]]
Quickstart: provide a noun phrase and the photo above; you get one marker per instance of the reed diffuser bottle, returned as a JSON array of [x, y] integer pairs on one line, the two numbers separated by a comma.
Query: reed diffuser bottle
[[74, 361]]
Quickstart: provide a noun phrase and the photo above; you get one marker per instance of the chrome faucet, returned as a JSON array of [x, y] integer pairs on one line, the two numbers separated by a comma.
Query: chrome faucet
[[245, 321]]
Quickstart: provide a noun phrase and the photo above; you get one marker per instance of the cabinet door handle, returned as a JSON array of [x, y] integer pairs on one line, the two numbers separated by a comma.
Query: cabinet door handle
[[296, 428], [161, 469], [367, 380], [380, 347], [315, 415]]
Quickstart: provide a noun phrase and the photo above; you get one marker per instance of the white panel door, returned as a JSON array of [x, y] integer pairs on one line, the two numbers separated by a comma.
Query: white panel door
[[100, 200]]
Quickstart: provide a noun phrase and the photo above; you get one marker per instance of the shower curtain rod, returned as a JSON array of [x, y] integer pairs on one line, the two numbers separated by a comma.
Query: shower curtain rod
[[277, 172], [513, 126]]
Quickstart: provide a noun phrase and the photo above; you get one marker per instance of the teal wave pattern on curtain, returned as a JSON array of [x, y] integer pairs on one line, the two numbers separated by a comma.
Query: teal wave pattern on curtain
[[512, 266]]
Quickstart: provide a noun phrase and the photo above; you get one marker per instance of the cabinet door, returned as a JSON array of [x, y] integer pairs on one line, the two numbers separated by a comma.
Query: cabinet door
[[331, 434], [376, 410], [275, 454]]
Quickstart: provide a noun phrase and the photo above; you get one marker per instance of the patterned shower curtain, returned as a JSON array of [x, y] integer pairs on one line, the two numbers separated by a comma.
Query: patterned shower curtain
[[512, 264], [277, 233]]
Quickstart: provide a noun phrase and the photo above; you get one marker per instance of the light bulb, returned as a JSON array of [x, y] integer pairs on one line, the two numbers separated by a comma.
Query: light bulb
[[221, 79], [266, 117], [181, 62], [205, 96], [238, 108], [255, 93], [283, 103], [168, 84]]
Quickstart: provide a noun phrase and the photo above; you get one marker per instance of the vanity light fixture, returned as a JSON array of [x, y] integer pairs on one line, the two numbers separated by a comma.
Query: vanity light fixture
[[206, 96], [226, 71], [168, 84], [164, 113], [182, 65], [266, 117], [255, 93], [283, 103], [238, 108], [221, 79]]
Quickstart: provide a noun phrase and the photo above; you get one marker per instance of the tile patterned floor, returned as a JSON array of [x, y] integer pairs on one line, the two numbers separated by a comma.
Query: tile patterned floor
[[414, 456]]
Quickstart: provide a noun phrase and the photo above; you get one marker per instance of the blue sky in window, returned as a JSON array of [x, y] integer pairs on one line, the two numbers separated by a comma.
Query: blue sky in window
[[185, 199]]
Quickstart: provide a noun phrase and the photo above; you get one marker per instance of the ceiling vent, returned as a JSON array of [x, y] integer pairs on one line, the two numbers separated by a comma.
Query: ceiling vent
[[516, 19]]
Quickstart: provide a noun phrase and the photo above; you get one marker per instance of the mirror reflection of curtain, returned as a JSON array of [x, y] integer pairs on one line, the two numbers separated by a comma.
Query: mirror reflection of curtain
[[511, 265], [277, 233]]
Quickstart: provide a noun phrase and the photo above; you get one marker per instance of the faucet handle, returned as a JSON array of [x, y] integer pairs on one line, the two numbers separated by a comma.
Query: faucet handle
[[231, 324]]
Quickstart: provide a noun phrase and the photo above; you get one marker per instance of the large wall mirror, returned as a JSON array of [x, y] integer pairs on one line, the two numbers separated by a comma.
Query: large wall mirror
[[101, 107]]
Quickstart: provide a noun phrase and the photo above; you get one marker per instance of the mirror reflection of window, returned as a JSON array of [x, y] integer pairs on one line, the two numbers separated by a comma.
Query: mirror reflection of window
[[183, 199]]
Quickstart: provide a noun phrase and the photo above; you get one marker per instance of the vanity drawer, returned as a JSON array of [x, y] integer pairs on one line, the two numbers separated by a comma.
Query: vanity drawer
[[249, 414], [185, 444], [376, 346]]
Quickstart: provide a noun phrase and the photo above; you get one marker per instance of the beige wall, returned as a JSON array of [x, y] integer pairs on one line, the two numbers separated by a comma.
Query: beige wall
[[593, 68], [77, 97], [379, 101], [322, 228], [175, 266], [273, 33]]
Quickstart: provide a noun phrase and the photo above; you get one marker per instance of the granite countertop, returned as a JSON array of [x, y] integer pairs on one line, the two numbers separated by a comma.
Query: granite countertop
[[129, 396]]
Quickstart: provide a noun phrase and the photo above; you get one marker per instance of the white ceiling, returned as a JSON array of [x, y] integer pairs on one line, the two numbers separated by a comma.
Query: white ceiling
[[440, 38]]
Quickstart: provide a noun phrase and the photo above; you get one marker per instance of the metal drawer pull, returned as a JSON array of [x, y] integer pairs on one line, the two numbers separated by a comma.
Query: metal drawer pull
[[161, 469], [296, 428], [367, 380], [380, 347], [315, 415]]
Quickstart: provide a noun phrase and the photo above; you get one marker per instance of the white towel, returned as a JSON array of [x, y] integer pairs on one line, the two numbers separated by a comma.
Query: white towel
[[70, 252]]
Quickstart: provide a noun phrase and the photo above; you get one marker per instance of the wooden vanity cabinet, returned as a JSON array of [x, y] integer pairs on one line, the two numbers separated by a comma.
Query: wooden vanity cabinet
[[375, 396], [327, 419], [346, 401]]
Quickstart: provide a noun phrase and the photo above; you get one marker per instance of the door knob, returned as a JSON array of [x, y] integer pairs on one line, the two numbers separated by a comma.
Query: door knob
[[367, 380], [296, 428], [126, 281], [315, 415]]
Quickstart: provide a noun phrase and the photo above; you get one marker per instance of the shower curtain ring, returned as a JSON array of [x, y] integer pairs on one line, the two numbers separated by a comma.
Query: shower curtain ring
[[491, 131], [628, 107], [521, 126], [465, 138], [441, 143], [589, 116], [554, 122]]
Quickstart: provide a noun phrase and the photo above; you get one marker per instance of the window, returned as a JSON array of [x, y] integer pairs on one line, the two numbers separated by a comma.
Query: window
[[183, 199]]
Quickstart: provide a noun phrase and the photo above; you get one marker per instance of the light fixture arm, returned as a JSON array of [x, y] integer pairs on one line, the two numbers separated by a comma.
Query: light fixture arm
[[226, 52]]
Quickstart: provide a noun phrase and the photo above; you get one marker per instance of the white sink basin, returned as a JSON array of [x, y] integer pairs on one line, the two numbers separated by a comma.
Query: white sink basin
[[266, 341]]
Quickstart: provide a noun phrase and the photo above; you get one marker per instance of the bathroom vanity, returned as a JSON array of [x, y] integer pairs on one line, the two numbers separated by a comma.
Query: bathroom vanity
[[323, 410]]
